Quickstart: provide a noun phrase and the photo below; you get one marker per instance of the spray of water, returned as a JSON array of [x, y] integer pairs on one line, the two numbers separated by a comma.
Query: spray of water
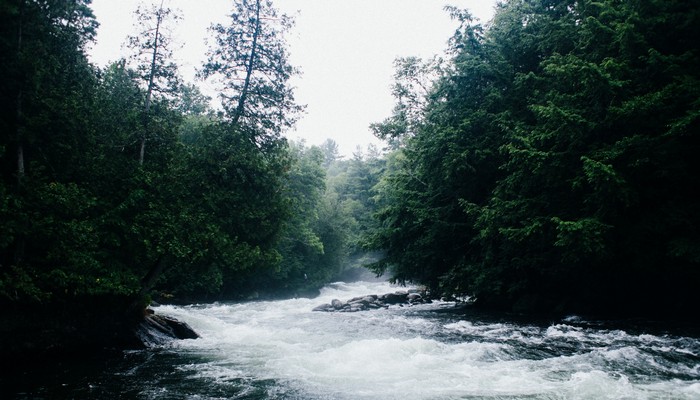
[[281, 349]]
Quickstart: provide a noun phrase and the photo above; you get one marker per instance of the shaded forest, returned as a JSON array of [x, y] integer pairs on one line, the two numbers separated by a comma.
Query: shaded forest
[[546, 164], [550, 166], [122, 185]]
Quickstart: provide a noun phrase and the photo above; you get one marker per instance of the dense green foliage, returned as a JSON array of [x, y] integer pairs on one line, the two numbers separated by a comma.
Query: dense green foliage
[[123, 183], [547, 165], [553, 163]]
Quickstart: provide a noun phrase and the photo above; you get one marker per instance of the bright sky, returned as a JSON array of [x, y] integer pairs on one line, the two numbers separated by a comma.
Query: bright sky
[[345, 50]]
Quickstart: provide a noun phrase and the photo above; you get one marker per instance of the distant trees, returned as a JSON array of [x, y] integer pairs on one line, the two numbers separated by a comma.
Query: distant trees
[[331, 152], [550, 168], [350, 200]]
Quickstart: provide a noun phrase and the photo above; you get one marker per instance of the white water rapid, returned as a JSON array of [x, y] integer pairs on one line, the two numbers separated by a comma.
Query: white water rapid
[[283, 350]]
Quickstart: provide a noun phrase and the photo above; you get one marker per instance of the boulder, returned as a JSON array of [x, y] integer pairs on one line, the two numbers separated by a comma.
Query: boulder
[[337, 304], [395, 298], [156, 330], [373, 302], [414, 298]]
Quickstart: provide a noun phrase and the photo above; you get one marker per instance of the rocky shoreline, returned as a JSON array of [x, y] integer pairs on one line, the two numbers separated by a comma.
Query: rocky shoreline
[[375, 302], [71, 329], [156, 330]]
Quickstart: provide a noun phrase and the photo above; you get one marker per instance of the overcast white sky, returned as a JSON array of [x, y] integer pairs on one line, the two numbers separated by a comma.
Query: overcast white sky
[[345, 50]]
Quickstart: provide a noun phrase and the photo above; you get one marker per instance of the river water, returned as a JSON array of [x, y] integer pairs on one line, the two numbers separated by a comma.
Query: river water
[[283, 350]]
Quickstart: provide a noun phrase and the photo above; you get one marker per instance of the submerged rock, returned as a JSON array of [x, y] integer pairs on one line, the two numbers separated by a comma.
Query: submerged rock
[[323, 307]]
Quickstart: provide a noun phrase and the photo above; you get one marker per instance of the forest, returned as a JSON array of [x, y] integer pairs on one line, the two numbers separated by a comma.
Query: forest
[[545, 164], [551, 166]]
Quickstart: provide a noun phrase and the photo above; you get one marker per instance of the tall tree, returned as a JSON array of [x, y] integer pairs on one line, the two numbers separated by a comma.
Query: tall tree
[[249, 61], [448, 160], [153, 59], [38, 38], [45, 102], [412, 87]]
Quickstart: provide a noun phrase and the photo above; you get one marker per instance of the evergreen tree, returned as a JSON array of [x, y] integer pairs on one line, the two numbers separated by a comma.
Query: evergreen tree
[[249, 61], [551, 166], [47, 145], [153, 60]]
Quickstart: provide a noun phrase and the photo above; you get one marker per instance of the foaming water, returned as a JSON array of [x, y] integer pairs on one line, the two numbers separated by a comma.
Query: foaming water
[[283, 350]]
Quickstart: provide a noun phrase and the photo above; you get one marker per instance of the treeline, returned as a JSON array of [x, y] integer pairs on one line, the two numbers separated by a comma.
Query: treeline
[[551, 163], [122, 182], [547, 165]]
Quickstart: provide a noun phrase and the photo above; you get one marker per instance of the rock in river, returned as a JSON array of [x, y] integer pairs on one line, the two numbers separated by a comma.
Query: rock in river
[[372, 302]]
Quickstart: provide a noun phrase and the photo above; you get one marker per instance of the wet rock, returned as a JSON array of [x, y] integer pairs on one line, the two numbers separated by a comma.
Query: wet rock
[[337, 304], [373, 302], [323, 307], [414, 298], [157, 330], [396, 297]]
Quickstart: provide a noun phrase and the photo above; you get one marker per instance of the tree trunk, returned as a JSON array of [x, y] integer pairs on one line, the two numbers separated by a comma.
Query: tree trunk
[[249, 67], [147, 283], [149, 90], [18, 109], [20, 163], [152, 276]]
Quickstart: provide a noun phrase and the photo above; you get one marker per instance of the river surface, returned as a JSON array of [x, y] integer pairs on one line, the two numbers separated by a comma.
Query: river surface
[[283, 350]]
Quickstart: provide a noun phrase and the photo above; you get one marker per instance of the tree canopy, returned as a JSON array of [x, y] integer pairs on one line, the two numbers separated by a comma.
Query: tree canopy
[[221, 199], [551, 166], [548, 164]]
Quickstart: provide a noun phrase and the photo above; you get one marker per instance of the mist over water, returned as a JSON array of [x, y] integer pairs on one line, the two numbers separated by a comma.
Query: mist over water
[[283, 350]]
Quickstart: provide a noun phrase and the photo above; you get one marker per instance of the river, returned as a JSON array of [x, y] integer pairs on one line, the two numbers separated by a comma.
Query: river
[[283, 350]]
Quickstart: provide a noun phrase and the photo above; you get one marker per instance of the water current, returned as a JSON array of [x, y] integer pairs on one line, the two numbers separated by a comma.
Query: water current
[[283, 350]]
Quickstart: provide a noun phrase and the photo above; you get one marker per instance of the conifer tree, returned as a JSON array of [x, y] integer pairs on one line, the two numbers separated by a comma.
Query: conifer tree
[[153, 61], [249, 62]]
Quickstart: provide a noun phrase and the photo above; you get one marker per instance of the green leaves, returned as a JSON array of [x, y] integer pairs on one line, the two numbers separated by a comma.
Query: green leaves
[[249, 59], [582, 240], [553, 157], [608, 187]]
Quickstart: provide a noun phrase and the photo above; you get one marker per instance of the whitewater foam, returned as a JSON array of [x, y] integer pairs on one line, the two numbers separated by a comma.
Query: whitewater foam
[[283, 349]]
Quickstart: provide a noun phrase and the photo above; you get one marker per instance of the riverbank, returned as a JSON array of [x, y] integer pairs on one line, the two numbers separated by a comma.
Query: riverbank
[[444, 349], [60, 329]]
